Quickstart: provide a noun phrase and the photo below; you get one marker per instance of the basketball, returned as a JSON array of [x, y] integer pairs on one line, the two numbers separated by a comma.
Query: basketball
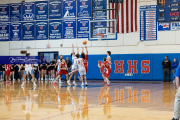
[[84, 42]]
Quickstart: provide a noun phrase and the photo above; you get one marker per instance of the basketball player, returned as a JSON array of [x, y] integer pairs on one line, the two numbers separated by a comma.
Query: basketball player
[[57, 64], [7, 72], [104, 71], [177, 96], [106, 64], [74, 69], [85, 60], [28, 69], [108, 57], [82, 69], [63, 68]]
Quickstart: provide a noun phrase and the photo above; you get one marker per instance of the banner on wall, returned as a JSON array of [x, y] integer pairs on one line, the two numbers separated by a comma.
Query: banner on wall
[[55, 29], [169, 26], [55, 9], [4, 12], [15, 31], [69, 28], [101, 4], [15, 12], [42, 30], [4, 31], [148, 22], [69, 8], [28, 11], [84, 8], [82, 28], [28, 31], [41, 10]]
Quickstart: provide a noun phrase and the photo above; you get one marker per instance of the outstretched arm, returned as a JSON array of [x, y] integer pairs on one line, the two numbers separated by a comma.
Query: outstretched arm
[[100, 66], [73, 50], [82, 49], [77, 50], [86, 50]]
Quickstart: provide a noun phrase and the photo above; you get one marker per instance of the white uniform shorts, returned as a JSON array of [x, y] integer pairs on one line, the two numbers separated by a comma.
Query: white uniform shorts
[[82, 72], [74, 68], [28, 70]]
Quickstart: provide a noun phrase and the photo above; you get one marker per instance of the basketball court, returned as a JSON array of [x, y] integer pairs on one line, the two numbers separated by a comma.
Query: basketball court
[[121, 100]]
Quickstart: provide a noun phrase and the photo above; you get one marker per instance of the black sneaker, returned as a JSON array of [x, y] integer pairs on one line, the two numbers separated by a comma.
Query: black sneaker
[[175, 119]]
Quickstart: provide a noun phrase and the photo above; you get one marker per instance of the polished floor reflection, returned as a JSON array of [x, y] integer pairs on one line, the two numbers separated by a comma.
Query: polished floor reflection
[[120, 101]]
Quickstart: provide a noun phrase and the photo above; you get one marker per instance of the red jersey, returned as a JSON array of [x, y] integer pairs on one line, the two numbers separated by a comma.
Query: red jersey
[[85, 60], [8, 67], [107, 66], [63, 65]]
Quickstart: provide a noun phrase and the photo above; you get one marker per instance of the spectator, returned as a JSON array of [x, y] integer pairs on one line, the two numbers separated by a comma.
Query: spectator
[[174, 66], [1, 72], [69, 64], [16, 73], [166, 68]]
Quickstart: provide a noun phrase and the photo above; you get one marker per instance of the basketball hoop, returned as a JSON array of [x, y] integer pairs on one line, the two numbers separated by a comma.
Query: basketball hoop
[[100, 36]]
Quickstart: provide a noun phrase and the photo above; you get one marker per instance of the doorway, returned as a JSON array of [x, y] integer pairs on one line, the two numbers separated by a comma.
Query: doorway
[[48, 55]]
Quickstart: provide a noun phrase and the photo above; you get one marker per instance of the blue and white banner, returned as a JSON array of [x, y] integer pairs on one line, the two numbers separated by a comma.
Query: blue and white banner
[[28, 31], [4, 12], [42, 30], [28, 11], [169, 26], [84, 8], [101, 4], [69, 28], [83, 28], [15, 31], [41, 10], [55, 9], [148, 22], [15, 12], [4, 31], [55, 29], [69, 8], [19, 59]]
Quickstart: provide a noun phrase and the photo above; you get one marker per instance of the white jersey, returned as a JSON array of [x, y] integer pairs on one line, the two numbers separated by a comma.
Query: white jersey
[[79, 63], [28, 67], [59, 62], [74, 59], [110, 60]]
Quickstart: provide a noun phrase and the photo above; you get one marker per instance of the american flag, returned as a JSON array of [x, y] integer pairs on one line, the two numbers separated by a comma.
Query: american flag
[[127, 20]]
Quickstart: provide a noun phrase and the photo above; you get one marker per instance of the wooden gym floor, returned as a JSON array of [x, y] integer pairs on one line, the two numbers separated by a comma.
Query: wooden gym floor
[[120, 101]]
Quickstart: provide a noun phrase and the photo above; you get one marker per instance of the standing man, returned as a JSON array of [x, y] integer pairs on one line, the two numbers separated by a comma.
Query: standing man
[[69, 64], [166, 68], [177, 96]]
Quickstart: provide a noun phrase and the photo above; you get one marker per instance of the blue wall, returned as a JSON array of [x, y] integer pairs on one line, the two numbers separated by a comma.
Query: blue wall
[[155, 73]]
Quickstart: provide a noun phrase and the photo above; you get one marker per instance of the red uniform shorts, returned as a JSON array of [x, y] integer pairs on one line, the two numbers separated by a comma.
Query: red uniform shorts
[[62, 72], [107, 73], [7, 72]]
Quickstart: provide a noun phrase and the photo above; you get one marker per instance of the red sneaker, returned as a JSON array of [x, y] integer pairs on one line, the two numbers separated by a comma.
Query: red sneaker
[[104, 82]]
